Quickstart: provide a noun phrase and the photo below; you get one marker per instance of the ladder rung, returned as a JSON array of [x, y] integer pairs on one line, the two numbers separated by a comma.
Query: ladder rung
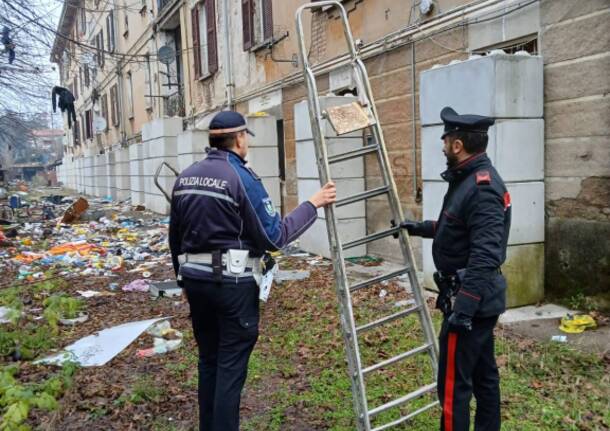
[[363, 151], [406, 418], [370, 238], [362, 196], [396, 358], [399, 401], [387, 319], [379, 279]]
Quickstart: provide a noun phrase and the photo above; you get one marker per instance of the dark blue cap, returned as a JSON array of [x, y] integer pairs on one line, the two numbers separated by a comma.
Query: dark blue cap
[[228, 122], [464, 123]]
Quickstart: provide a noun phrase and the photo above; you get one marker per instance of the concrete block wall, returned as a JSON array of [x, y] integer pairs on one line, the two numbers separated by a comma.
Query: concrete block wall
[[136, 171], [263, 155], [159, 144], [348, 176], [190, 148], [509, 88], [121, 174]]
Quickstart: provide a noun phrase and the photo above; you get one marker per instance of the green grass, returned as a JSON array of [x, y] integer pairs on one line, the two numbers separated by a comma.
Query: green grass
[[544, 386]]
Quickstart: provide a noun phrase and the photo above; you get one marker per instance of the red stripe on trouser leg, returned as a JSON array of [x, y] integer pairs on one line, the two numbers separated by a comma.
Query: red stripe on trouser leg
[[449, 382]]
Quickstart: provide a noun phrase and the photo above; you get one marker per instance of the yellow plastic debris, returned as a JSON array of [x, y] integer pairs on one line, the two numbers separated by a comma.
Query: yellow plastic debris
[[577, 323]]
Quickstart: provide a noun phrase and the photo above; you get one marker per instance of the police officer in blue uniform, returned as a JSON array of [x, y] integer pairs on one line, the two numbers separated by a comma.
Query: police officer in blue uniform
[[222, 222], [469, 246]]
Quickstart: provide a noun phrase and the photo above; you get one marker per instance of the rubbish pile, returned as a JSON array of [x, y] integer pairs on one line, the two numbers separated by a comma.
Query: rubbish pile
[[84, 238]]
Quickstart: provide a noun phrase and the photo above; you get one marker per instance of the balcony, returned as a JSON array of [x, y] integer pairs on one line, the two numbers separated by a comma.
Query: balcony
[[168, 15], [163, 5]]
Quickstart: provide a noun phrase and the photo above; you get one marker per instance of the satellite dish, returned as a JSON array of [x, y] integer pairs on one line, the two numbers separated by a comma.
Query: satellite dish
[[167, 54], [425, 6], [99, 124]]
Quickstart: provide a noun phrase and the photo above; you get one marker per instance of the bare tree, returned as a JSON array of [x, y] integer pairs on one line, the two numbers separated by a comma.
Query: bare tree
[[25, 84]]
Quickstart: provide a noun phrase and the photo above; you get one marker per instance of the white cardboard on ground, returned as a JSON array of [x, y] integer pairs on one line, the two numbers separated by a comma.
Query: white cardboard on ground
[[97, 349]]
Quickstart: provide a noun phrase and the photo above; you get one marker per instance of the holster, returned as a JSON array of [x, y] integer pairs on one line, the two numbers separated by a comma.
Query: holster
[[447, 287], [217, 266]]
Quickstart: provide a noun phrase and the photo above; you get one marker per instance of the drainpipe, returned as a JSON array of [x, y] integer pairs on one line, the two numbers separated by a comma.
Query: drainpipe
[[414, 123], [229, 84]]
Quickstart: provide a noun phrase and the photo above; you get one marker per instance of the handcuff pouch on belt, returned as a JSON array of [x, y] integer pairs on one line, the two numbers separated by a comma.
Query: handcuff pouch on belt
[[448, 286]]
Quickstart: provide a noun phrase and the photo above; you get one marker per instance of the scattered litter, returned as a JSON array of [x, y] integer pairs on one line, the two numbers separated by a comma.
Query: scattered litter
[[365, 260], [294, 275], [137, 286], [559, 338], [166, 339], [93, 293], [383, 293], [165, 289], [82, 318], [404, 303], [76, 209], [8, 314], [113, 286], [146, 274], [577, 323], [99, 348]]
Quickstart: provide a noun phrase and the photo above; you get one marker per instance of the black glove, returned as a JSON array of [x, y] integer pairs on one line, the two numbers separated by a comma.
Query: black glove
[[415, 228], [459, 322]]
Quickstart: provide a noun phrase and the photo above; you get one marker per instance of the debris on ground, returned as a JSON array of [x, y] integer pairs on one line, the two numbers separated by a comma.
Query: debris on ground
[[98, 349], [291, 275], [164, 289], [137, 286], [166, 339], [577, 323], [75, 210]]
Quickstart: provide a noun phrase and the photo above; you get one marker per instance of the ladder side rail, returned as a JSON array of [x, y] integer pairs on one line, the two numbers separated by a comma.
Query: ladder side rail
[[386, 169], [345, 304]]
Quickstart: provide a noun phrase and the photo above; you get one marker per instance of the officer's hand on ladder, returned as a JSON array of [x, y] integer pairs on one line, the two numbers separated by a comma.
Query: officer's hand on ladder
[[415, 228], [325, 196]]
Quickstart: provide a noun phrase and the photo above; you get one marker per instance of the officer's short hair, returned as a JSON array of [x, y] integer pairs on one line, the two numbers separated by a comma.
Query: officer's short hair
[[474, 142], [223, 142]]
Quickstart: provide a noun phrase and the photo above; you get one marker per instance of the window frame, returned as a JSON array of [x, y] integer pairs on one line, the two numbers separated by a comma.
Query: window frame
[[208, 54]]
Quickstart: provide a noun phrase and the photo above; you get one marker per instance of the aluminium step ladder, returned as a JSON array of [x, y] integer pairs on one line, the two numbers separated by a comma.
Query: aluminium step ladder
[[345, 119]]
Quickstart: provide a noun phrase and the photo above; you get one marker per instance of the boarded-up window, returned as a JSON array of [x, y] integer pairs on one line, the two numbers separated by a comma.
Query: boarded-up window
[[267, 18], [115, 112], [99, 44], [247, 17], [105, 110], [130, 107], [204, 38], [257, 22], [89, 124], [76, 133], [148, 100], [110, 31], [87, 78]]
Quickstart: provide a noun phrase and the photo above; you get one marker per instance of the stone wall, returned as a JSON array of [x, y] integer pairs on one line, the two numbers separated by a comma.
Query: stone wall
[[575, 44]]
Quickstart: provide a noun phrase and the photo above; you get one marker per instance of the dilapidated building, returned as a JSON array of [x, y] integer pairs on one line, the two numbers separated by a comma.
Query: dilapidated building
[[156, 72]]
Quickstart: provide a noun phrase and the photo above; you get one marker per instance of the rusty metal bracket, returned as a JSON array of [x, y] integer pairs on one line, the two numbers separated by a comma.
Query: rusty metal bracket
[[158, 173]]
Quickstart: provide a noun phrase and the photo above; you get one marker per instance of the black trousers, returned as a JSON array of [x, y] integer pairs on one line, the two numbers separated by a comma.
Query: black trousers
[[467, 366], [225, 324]]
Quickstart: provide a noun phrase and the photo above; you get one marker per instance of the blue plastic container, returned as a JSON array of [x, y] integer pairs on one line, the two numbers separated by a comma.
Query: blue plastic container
[[14, 201]]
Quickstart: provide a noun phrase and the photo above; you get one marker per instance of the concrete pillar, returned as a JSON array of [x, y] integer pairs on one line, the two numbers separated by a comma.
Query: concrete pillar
[[509, 88], [191, 145], [135, 172], [348, 176], [159, 143], [121, 174], [263, 155]]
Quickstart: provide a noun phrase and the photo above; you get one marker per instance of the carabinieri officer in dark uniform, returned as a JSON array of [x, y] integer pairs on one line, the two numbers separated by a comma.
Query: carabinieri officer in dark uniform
[[470, 238], [222, 221]]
